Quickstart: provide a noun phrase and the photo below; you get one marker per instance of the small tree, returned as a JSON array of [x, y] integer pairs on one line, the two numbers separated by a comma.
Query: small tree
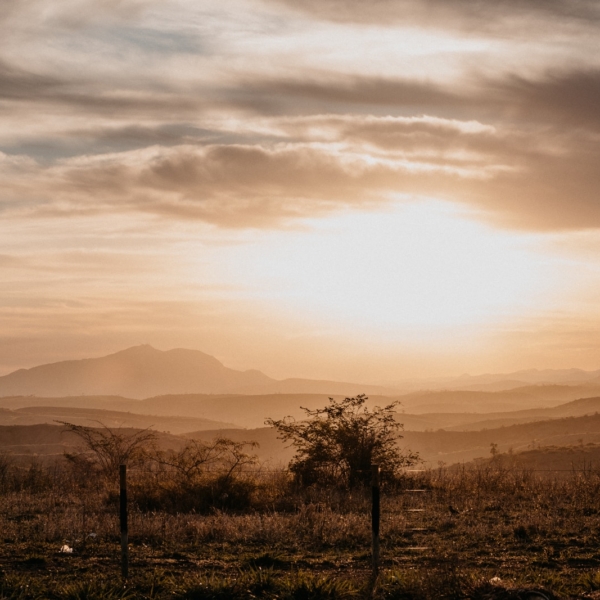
[[106, 448], [337, 444]]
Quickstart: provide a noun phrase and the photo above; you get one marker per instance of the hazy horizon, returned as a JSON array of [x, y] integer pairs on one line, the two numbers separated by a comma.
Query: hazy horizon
[[527, 377], [328, 190]]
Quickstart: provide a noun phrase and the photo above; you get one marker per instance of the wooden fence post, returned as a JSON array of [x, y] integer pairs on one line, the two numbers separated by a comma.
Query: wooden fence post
[[123, 521], [375, 517]]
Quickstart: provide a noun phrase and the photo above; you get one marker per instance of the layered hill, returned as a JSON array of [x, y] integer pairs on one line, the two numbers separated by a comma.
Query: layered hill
[[521, 398], [449, 447], [550, 461], [89, 417], [237, 410], [45, 442], [476, 421], [434, 447], [251, 411], [452, 447]]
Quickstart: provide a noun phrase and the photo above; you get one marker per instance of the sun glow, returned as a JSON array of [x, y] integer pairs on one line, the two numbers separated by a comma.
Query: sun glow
[[417, 266]]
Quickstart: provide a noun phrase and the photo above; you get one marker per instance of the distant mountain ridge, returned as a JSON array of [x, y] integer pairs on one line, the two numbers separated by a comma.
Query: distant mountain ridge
[[144, 371], [496, 382]]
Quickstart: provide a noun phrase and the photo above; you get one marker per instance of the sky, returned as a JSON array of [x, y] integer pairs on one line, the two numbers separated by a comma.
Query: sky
[[334, 189]]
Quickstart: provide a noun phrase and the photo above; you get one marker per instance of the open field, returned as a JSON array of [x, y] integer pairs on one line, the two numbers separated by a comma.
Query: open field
[[495, 528], [475, 525]]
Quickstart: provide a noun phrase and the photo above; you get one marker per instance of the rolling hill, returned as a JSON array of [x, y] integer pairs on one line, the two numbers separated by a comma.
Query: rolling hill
[[462, 446], [243, 411], [478, 421], [89, 417], [449, 447], [45, 442], [251, 411], [549, 461], [521, 398]]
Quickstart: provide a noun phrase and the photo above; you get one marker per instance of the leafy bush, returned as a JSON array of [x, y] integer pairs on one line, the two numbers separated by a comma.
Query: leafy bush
[[339, 443]]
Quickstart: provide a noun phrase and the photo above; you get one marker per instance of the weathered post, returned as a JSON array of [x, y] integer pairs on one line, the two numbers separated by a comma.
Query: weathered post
[[375, 517], [123, 521]]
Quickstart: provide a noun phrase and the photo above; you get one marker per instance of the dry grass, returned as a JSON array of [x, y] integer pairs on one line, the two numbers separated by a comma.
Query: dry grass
[[527, 531]]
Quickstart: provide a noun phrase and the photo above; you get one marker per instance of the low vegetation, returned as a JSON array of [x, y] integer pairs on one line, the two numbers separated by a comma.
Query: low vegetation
[[487, 532], [336, 445], [207, 521]]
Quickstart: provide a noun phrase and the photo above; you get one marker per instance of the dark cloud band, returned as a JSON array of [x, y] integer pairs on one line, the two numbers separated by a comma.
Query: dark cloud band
[[467, 15]]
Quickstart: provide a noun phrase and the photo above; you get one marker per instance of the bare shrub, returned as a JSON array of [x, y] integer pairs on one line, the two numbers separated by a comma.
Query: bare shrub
[[199, 477], [105, 448]]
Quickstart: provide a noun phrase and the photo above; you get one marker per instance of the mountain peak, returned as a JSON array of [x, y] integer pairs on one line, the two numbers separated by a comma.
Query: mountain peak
[[143, 372], [141, 349], [137, 372]]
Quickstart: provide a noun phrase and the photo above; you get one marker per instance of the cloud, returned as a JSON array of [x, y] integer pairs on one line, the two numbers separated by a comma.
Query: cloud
[[522, 149], [406, 134], [562, 99], [70, 12], [331, 162], [333, 92], [559, 98], [19, 84], [463, 14], [346, 162], [552, 191], [230, 185], [87, 95], [7, 261]]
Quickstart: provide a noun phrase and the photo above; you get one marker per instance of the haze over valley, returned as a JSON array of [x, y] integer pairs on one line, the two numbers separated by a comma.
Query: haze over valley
[[445, 426]]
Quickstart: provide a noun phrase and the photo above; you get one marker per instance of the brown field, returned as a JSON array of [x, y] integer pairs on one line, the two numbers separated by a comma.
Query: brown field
[[519, 529]]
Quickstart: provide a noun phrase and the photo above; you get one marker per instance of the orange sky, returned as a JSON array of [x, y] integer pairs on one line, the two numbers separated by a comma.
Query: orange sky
[[315, 188]]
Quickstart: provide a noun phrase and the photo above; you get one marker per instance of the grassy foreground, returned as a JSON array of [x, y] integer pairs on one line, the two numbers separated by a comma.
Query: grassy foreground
[[482, 534]]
